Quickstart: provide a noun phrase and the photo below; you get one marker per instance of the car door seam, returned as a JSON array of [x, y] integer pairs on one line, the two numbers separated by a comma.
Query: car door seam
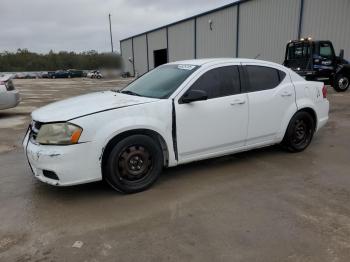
[[173, 130]]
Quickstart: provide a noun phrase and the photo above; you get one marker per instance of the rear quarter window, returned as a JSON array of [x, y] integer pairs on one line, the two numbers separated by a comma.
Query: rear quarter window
[[263, 78]]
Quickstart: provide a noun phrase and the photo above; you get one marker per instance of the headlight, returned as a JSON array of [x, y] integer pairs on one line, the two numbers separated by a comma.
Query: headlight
[[59, 134]]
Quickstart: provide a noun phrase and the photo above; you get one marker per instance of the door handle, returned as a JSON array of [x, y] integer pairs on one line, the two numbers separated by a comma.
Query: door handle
[[286, 94], [238, 102]]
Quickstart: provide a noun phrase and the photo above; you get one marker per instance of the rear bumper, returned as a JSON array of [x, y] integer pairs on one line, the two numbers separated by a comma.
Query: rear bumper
[[72, 164], [322, 113]]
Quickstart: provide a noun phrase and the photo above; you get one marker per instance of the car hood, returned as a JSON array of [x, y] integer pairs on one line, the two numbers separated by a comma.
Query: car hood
[[85, 105]]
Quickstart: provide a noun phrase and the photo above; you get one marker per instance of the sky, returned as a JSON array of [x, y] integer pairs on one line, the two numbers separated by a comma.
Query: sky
[[82, 25]]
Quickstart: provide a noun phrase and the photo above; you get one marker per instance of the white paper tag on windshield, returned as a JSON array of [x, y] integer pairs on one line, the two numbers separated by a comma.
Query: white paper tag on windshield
[[186, 67]]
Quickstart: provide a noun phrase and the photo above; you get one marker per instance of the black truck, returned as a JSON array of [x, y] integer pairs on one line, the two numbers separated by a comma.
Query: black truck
[[316, 60]]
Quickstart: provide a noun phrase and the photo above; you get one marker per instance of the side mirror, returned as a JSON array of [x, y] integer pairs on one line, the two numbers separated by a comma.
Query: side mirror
[[194, 95], [341, 54]]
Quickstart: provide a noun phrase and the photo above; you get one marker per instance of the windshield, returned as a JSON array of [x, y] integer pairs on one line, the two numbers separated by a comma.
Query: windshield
[[160, 82]]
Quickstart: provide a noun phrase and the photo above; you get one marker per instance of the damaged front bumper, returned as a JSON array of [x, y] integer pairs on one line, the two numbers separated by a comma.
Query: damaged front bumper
[[62, 165]]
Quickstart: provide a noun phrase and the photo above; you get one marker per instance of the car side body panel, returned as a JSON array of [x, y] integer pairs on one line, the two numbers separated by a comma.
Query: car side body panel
[[269, 108], [309, 95], [104, 126]]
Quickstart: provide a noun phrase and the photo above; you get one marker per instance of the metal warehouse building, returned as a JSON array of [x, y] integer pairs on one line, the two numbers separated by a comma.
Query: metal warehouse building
[[247, 28]]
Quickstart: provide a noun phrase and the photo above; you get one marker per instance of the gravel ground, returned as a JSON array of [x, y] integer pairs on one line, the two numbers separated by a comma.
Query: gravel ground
[[262, 205]]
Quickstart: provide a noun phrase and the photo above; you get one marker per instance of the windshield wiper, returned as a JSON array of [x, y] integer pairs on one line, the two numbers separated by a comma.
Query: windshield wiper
[[128, 92]]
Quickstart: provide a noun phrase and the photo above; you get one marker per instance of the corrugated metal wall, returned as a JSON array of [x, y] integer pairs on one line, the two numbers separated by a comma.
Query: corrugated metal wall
[[218, 40], [266, 26], [181, 41], [126, 49], [328, 20], [156, 40], [140, 55]]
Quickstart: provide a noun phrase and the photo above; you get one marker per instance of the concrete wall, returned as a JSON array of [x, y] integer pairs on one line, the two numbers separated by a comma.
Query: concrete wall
[[126, 50], [220, 40], [266, 26], [328, 20], [156, 40], [140, 55], [181, 41]]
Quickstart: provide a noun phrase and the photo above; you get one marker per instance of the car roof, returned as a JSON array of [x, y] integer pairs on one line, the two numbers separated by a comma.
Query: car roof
[[213, 61]]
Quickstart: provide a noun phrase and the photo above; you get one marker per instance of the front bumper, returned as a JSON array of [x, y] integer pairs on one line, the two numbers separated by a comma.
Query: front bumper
[[10, 99], [73, 164]]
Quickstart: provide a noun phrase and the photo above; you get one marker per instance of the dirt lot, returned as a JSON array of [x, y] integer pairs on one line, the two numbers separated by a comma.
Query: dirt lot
[[264, 205]]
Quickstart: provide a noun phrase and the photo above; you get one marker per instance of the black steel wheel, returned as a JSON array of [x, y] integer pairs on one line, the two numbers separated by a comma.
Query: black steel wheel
[[134, 164], [341, 83], [299, 133]]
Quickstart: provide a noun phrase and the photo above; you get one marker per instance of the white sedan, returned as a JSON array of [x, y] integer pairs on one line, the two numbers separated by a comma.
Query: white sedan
[[177, 113], [9, 97], [95, 74]]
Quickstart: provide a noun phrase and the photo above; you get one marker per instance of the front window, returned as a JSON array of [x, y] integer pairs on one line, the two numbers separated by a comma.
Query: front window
[[160, 82], [219, 82], [326, 50]]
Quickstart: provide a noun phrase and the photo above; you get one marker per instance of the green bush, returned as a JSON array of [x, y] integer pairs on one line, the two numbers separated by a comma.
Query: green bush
[[24, 60]]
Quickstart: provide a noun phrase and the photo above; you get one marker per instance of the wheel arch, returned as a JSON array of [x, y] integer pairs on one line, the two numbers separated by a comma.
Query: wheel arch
[[312, 112], [285, 125], [345, 70], [141, 131]]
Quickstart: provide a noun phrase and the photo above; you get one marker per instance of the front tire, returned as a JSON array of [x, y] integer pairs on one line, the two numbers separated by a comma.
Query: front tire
[[341, 83], [134, 164], [299, 133]]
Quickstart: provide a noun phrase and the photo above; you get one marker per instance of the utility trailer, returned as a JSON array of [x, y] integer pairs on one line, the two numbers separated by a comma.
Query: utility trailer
[[316, 60]]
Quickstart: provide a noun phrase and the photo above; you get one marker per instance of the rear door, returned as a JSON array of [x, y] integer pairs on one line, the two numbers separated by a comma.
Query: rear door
[[217, 125], [271, 98]]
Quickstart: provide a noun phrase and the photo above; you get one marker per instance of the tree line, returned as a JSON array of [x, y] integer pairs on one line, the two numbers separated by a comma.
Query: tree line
[[24, 60]]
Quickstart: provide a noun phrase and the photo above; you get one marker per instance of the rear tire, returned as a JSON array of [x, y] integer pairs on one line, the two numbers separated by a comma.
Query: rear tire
[[299, 133], [341, 83], [134, 164]]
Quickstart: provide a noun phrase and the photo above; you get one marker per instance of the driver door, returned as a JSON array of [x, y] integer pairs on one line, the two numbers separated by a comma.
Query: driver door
[[214, 126]]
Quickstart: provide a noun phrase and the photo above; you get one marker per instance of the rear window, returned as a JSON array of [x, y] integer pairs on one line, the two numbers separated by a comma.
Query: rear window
[[298, 51], [9, 85], [263, 78]]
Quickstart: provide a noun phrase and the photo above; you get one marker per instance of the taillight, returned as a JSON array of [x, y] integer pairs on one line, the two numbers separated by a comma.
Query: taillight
[[324, 91]]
